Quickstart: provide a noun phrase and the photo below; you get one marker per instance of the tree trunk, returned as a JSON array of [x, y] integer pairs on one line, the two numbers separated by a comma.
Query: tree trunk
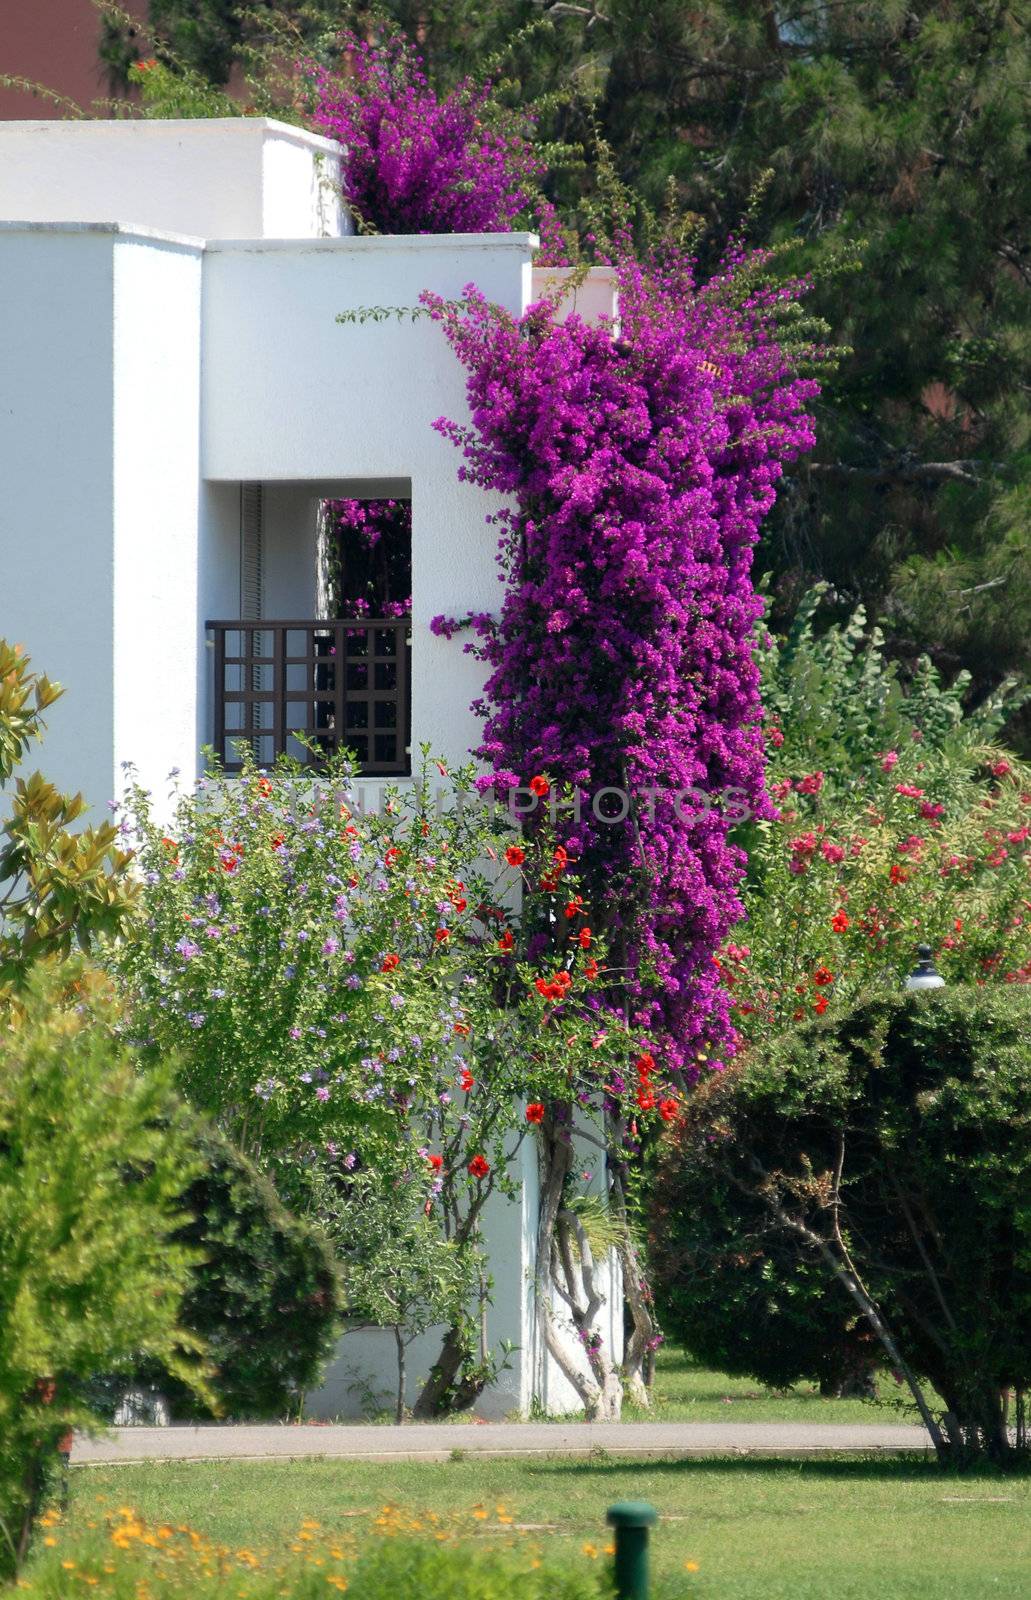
[[399, 1340], [442, 1383]]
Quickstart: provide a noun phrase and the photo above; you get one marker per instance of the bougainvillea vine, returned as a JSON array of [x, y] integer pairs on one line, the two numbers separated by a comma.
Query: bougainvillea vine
[[416, 163], [638, 464]]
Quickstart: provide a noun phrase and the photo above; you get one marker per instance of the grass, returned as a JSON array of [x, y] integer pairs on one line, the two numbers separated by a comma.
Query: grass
[[856, 1529], [686, 1392]]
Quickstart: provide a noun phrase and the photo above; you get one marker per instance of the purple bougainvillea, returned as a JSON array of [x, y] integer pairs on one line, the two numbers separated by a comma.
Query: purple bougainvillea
[[371, 554], [416, 163], [639, 464]]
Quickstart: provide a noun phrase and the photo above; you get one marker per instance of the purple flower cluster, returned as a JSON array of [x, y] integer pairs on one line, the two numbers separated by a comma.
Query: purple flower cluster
[[639, 465], [416, 163], [374, 556]]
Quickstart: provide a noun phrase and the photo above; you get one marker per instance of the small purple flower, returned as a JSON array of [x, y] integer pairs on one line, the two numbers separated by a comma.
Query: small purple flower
[[322, 1094], [187, 949], [196, 1019], [330, 946]]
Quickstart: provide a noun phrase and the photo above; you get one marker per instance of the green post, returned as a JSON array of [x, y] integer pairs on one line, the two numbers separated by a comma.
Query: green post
[[631, 1520]]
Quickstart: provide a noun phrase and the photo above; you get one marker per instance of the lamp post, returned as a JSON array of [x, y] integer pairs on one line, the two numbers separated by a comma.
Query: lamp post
[[925, 974]]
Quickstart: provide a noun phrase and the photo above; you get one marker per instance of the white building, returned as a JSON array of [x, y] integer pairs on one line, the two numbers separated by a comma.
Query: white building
[[177, 399]]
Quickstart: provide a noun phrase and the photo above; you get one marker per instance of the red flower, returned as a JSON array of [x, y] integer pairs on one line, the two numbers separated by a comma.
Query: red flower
[[575, 905], [812, 783], [584, 937], [549, 884], [479, 1166], [229, 863], [839, 921], [515, 856], [390, 962], [591, 969], [645, 1097], [898, 874], [435, 1162], [823, 975], [391, 856], [506, 942], [668, 1110], [459, 905], [276, 841], [1000, 769], [561, 858], [462, 1029], [466, 1081], [645, 1064], [539, 786], [264, 786], [820, 1004], [563, 980], [535, 1111], [442, 935]]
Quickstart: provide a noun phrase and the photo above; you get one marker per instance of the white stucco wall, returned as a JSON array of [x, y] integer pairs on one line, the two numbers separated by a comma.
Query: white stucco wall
[[216, 178], [290, 394], [157, 666], [56, 426]]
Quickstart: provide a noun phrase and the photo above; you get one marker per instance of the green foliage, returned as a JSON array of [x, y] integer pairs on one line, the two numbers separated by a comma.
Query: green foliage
[[742, 1300], [264, 1295], [891, 1150], [93, 1165], [838, 699], [59, 888]]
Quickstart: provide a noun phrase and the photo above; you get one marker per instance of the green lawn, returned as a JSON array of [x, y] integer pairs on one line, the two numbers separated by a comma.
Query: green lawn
[[686, 1392], [757, 1529]]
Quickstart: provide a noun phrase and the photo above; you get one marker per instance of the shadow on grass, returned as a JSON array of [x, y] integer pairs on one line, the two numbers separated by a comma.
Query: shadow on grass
[[847, 1469]]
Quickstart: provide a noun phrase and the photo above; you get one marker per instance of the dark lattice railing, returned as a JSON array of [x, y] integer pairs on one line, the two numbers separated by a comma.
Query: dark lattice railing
[[344, 682]]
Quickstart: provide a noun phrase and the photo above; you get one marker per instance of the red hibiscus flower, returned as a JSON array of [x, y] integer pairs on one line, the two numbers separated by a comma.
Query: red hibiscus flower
[[442, 935], [645, 1097], [820, 1004], [467, 1081], [515, 856], [591, 969], [839, 921], [575, 906], [264, 786], [535, 1111], [462, 1029], [584, 937], [539, 786], [506, 942], [479, 1166], [668, 1110], [390, 962], [435, 1162], [823, 975]]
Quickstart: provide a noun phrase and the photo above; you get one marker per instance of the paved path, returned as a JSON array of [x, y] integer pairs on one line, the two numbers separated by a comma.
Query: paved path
[[429, 1441]]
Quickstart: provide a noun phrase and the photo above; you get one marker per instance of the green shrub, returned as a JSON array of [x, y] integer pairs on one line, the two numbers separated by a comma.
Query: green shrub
[[264, 1296], [93, 1164], [890, 1150]]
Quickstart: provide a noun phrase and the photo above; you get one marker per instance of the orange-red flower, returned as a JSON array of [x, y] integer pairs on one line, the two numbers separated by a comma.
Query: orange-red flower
[[535, 1111], [466, 1080], [390, 962], [506, 942], [515, 855], [823, 975], [539, 786], [442, 935], [668, 1110], [265, 786], [839, 921], [436, 1162], [584, 937], [479, 1166]]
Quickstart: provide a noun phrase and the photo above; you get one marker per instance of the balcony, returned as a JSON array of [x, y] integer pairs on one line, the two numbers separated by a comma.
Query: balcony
[[336, 683]]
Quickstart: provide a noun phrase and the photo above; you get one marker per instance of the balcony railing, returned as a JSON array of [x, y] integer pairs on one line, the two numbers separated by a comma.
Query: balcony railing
[[334, 683]]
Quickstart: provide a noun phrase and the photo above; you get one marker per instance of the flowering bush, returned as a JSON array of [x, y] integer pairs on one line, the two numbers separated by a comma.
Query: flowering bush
[[351, 997], [416, 163], [640, 467], [917, 830]]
